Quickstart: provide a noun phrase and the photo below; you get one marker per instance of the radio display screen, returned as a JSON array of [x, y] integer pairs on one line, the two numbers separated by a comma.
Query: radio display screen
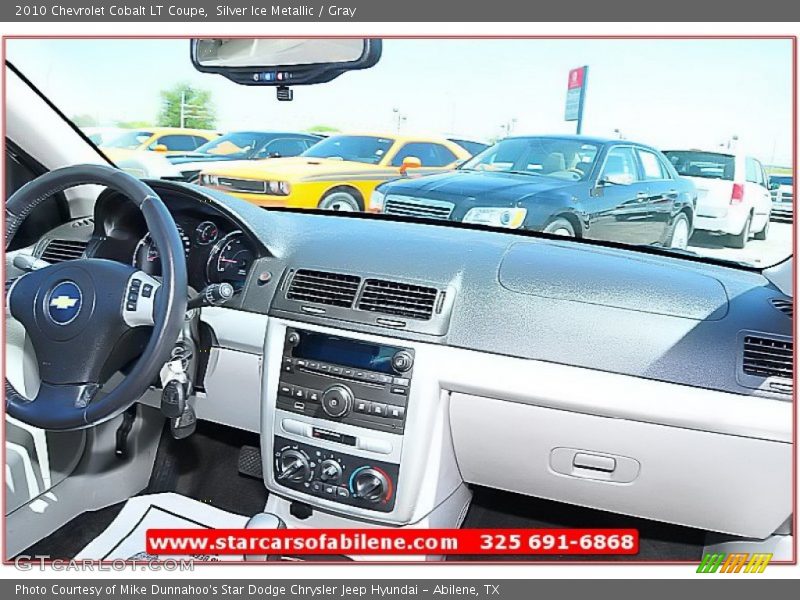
[[350, 353]]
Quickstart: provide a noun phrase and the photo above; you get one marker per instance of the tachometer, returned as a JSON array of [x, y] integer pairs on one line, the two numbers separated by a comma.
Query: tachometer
[[206, 233], [230, 260], [146, 256]]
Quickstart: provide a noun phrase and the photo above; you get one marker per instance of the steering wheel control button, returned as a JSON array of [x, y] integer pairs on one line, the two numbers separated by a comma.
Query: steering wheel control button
[[337, 401], [64, 303], [147, 290]]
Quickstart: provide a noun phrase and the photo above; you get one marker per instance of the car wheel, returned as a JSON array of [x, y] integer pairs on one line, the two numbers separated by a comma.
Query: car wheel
[[762, 235], [679, 237], [560, 227], [740, 240], [340, 201]]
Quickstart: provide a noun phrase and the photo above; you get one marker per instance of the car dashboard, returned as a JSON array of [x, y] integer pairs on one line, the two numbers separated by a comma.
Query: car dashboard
[[388, 366]]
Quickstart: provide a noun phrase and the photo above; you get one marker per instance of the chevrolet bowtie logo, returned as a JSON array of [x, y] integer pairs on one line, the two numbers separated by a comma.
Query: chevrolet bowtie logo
[[63, 302]]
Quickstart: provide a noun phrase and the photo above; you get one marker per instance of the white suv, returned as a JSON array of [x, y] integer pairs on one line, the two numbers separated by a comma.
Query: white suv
[[733, 195]]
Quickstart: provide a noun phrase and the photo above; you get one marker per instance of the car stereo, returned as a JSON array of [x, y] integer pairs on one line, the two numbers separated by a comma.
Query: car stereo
[[345, 380]]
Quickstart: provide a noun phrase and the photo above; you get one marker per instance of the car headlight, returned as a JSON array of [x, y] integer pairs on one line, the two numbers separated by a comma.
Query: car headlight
[[278, 188], [206, 179], [376, 201], [510, 218]]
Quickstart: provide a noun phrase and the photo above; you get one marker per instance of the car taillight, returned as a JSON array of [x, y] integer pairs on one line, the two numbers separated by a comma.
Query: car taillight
[[737, 195]]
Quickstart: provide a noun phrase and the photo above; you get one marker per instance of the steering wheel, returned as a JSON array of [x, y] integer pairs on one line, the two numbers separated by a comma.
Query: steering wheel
[[88, 318]]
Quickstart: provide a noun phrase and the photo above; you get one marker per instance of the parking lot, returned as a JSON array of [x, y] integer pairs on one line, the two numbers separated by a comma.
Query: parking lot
[[774, 249]]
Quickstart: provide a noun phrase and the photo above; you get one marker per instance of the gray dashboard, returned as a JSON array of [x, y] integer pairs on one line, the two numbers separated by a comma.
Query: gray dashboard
[[597, 307]]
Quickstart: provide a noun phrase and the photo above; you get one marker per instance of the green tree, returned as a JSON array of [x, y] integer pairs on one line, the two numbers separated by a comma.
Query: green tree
[[185, 106], [84, 120], [323, 129]]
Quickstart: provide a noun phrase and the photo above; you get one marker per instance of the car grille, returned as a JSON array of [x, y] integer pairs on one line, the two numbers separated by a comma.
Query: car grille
[[404, 206], [243, 185]]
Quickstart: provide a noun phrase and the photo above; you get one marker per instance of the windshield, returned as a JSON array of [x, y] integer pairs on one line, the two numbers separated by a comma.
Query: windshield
[[356, 148], [558, 158], [599, 140], [130, 140], [710, 165], [234, 145]]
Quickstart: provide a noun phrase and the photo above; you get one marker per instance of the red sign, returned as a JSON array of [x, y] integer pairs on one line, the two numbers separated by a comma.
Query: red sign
[[575, 78]]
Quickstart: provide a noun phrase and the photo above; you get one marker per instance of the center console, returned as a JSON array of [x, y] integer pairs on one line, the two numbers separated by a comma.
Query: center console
[[341, 380], [355, 427]]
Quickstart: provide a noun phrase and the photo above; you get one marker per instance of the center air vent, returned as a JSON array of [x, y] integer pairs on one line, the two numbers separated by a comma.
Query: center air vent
[[767, 357], [321, 287], [58, 251], [784, 305], [400, 299]]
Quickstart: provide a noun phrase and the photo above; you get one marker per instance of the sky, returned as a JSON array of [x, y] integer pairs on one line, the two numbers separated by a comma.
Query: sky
[[668, 93]]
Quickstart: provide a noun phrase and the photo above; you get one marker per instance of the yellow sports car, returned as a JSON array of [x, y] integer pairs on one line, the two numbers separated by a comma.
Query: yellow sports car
[[169, 140], [338, 173]]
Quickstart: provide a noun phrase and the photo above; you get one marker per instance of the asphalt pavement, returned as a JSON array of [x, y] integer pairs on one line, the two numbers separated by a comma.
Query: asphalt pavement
[[766, 253]]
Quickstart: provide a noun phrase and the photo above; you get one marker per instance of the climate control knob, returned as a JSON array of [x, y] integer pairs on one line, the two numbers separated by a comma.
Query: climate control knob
[[293, 465], [330, 471], [371, 485], [337, 401]]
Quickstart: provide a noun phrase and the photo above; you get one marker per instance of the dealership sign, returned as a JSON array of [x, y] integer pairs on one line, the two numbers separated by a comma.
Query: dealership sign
[[576, 89]]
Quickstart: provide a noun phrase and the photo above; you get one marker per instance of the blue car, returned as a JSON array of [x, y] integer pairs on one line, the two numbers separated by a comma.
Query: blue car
[[576, 186]]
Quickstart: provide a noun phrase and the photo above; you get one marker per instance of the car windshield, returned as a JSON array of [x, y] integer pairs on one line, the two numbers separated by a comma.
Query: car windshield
[[558, 158], [709, 165], [130, 140], [234, 145], [355, 148], [606, 141], [782, 179]]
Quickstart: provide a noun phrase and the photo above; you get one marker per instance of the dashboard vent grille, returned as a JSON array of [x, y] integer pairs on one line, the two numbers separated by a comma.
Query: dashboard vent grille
[[58, 251], [321, 287], [766, 357], [401, 299], [784, 305]]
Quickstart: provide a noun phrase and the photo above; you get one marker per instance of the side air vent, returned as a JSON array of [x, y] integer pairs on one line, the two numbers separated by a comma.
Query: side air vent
[[767, 357], [400, 299], [58, 251], [321, 287], [784, 305]]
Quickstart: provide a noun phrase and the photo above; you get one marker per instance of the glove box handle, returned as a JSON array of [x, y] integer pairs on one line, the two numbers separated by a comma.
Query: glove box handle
[[599, 466]]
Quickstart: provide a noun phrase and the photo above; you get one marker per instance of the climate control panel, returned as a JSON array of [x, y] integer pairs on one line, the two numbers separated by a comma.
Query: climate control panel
[[335, 476]]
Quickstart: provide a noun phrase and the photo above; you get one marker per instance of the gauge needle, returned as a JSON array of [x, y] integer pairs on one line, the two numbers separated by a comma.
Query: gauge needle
[[228, 260]]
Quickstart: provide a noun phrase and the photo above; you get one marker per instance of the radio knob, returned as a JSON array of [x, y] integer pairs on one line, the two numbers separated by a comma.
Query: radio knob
[[402, 361], [371, 485], [337, 401], [293, 338], [293, 465], [330, 470]]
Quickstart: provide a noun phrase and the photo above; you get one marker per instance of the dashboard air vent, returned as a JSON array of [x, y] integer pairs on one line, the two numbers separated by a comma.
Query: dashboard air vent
[[58, 251], [767, 357], [321, 287], [401, 299], [784, 305]]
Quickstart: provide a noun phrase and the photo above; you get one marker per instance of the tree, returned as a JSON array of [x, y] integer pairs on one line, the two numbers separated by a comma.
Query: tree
[[185, 106], [323, 129], [84, 120]]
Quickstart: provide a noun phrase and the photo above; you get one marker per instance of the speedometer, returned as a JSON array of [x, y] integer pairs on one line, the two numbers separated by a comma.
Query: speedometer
[[230, 260], [146, 256]]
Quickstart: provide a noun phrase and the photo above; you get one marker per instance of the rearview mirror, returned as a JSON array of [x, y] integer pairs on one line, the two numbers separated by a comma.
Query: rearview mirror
[[615, 179], [283, 62]]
